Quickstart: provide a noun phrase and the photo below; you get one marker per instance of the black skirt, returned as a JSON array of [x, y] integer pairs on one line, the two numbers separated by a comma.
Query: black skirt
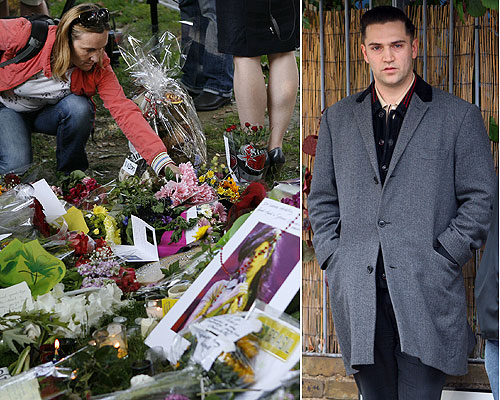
[[250, 28]]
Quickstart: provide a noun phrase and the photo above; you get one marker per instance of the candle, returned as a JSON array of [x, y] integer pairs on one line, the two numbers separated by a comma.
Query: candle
[[154, 312], [56, 347], [154, 307]]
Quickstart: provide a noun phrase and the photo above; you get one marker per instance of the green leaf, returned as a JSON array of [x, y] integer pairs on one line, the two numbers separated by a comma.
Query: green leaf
[[475, 8], [490, 4], [16, 335], [459, 6], [493, 130]]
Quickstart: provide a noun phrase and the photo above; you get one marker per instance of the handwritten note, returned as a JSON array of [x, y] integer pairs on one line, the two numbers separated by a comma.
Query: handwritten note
[[13, 298], [219, 334], [22, 389]]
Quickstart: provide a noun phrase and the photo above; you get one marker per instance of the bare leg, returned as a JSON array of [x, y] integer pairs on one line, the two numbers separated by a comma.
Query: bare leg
[[281, 94], [249, 90], [40, 9], [4, 8]]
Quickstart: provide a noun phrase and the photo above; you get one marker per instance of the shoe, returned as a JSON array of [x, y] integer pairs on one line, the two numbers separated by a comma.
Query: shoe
[[208, 101], [192, 93], [276, 160]]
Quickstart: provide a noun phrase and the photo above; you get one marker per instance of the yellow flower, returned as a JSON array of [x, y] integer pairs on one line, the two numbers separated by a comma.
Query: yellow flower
[[112, 235], [100, 210], [202, 231], [220, 190], [96, 231], [210, 174], [212, 182], [201, 179]]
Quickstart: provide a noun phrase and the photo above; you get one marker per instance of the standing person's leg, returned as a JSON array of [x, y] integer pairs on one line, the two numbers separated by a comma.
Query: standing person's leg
[[250, 90], [491, 363], [217, 67], [72, 121], [192, 42], [28, 7], [281, 94], [15, 142], [378, 381]]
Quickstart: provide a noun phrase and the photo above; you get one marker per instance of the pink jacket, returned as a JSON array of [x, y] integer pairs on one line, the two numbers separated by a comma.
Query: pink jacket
[[14, 34]]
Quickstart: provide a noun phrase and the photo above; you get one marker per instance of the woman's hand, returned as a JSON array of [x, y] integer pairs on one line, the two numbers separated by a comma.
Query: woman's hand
[[174, 168]]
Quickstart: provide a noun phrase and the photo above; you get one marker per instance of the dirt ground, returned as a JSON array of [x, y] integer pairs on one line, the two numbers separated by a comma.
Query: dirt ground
[[109, 147]]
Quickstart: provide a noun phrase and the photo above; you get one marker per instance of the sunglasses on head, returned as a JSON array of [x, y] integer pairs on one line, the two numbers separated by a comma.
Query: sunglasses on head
[[93, 18]]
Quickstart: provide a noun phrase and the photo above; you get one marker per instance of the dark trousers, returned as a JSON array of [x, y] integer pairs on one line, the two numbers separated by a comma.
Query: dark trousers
[[395, 375]]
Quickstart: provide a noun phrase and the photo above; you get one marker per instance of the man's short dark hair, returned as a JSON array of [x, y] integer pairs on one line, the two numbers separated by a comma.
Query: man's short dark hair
[[383, 14]]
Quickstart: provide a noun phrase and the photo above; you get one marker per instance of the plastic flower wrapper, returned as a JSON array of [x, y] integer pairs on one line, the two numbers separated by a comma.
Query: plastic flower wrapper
[[31, 263], [223, 346], [165, 105], [247, 149], [38, 382], [184, 384], [17, 212]]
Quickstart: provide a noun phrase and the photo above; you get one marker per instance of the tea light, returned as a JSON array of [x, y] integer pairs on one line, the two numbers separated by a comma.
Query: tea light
[[154, 308], [117, 338]]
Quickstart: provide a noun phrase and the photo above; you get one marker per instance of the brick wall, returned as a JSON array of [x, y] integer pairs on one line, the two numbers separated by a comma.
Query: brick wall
[[325, 378]]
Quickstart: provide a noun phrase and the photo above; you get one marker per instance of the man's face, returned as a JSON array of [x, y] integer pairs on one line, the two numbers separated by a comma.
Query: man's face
[[389, 51], [88, 49]]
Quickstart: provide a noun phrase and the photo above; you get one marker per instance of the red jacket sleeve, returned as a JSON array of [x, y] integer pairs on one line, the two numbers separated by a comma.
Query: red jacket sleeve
[[127, 115]]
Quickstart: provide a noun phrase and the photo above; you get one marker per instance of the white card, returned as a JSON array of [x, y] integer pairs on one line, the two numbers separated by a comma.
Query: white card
[[144, 247], [14, 297], [52, 207]]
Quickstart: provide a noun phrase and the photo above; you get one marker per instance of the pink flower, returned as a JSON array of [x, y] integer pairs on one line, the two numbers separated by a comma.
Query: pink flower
[[162, 193], [218, 208], [203, 221]]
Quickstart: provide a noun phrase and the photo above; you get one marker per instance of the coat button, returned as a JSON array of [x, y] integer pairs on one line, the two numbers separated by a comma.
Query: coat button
[[369, 269], [375, 179], [381, 114], [384, 167], [383, 275], [381, 223]]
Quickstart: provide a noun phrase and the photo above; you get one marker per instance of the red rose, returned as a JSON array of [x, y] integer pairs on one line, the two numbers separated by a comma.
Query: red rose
[[255, 129], [39, 219], [80, 242], [247, 124]]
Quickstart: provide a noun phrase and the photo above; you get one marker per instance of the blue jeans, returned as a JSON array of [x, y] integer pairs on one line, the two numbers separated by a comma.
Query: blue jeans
[[71, 120], [205, 69], [491, 364]]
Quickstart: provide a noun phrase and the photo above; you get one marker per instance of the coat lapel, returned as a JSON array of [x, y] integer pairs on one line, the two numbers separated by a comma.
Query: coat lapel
[[363, 117], [414, 115]]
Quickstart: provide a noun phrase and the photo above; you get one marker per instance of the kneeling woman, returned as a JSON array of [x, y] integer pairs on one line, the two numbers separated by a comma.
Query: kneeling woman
[[51, 93]]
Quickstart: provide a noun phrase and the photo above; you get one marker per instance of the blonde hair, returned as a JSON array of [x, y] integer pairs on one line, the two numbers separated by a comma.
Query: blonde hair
[[67, 32]]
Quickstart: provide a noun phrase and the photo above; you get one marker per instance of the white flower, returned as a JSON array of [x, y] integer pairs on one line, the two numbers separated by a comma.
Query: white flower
[[206, 210], [33, 331]]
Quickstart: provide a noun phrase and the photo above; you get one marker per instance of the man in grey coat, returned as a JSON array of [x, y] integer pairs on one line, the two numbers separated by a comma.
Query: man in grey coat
[[401, 196]]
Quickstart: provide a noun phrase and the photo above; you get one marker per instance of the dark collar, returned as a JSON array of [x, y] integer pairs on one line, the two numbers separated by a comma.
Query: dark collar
[[422, 90]]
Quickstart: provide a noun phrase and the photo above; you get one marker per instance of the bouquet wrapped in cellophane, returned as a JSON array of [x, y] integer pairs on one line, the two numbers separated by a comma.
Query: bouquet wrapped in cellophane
[[246, 148], [166, 106]]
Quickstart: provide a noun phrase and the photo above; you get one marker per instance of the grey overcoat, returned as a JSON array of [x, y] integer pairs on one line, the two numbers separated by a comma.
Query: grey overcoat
[[438, 192]]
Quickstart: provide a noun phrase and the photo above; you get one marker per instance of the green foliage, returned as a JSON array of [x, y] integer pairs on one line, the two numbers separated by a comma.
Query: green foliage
[[493, 130]]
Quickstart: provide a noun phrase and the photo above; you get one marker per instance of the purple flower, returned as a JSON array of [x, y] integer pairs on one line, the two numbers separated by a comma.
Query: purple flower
[[175, 396]]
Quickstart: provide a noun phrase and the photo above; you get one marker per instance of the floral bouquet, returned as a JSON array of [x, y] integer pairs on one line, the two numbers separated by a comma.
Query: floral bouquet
[[247, 149], [165, 105]]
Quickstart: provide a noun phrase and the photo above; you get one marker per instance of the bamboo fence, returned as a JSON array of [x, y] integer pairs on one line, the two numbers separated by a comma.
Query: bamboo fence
[[335, 89]]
